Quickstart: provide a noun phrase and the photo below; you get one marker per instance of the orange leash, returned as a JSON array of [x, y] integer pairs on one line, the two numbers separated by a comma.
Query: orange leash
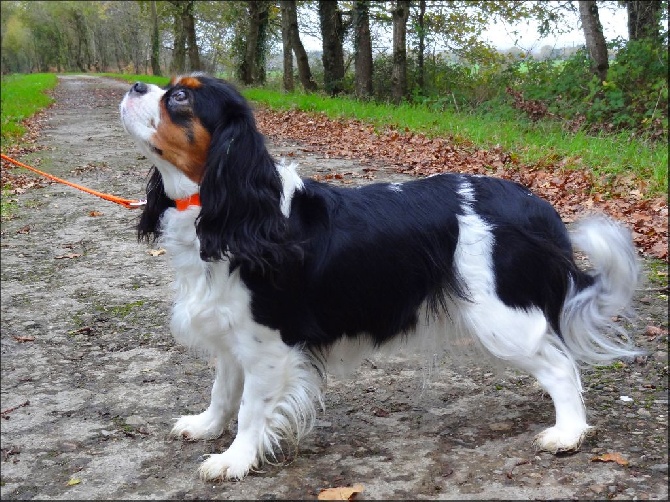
[[127, 203]]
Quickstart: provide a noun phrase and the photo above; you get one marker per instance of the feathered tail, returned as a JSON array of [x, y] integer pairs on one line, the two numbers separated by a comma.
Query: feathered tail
[[586, 319]]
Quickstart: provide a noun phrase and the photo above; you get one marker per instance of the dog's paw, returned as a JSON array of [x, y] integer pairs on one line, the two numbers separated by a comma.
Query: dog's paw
[[226, 466], [555, 440], [202, 426]]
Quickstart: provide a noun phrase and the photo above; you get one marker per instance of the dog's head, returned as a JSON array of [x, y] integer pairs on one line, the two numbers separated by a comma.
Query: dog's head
[[201, 135]]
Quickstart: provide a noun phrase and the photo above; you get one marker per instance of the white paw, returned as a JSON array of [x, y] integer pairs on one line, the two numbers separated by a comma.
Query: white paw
[[203, 426], [230, 465], [555, 440]]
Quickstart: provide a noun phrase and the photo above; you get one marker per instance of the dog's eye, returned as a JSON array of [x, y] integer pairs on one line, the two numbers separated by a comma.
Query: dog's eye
[[179, 97]]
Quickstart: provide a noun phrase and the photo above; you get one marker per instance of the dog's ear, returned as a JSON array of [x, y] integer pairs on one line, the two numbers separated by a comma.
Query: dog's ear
[[148, 227], [240, 194]]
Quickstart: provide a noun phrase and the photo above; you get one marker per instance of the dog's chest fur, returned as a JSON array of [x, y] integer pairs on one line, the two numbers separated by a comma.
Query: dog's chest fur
[[209, 300]]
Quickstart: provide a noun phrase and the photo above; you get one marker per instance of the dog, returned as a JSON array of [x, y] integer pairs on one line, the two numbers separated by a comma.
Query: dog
[[282, 279]]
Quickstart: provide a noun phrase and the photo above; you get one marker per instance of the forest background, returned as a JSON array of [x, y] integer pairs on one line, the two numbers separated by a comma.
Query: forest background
[[598, 107], [429, 52]]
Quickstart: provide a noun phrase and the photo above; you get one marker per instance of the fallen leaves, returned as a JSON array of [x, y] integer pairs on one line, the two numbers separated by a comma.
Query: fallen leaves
[[68, 256], [380, 412], [24, 339], [654, 332], [574, 192], [611, 457], [8, 452], [341, 493], [5, 413], [17, 179]]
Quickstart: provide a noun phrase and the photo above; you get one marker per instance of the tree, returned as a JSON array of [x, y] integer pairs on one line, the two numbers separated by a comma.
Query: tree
[[155, 41], [643, 19], [252, 66], [16, 36], [178, 64], [304, 72], [83, 59], [184, 37], [421, 28], [333, 55], [399, 14], [595, 40], [221, 34], [188, 20], [363, 65], [287, 78]]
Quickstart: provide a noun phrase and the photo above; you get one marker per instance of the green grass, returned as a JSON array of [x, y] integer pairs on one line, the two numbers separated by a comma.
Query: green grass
[[7, 204], [539, 143], [22, 97]]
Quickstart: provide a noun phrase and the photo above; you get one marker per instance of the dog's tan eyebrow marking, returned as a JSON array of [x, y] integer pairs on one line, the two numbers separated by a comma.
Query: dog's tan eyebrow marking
[[190, 82]]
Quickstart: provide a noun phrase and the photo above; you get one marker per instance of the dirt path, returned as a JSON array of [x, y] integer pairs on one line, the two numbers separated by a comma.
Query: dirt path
[[96, 379]]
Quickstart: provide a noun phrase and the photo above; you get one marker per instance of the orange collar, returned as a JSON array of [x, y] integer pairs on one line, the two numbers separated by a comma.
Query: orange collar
[[185, 203]]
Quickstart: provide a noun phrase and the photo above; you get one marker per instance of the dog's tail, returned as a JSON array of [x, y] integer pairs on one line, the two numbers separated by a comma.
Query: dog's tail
[[586, 319]]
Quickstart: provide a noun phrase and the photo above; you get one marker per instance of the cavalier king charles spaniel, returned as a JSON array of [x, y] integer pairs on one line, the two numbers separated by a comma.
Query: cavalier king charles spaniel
[[282, 279]]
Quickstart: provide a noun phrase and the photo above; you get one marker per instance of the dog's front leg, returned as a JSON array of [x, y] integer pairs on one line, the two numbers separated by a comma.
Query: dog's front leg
[[225, 402], [277, 403]]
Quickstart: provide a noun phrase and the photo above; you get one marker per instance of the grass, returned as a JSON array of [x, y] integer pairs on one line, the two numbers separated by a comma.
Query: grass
[[22, 97], [7, 204], [532, 143]]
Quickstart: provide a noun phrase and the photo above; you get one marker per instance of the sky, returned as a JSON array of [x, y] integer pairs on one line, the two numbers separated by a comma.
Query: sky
[[614, 21]]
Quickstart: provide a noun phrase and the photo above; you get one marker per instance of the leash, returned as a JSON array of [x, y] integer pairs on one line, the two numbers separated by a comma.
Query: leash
[[127, 203]]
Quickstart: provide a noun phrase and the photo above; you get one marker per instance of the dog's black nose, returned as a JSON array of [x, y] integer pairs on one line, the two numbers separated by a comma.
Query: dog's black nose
[[139, 88]]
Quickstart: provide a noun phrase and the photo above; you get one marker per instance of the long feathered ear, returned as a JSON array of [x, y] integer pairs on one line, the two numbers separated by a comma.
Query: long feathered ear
[[240, 194], [148, 228]]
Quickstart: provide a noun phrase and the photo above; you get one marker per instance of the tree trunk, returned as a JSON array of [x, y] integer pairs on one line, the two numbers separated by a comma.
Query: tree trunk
[[155, 41], [362, 49], [333, 55], [422, 47], [643, 19], [252, 67], [262, 45], [595, 40], [82, 58], [400, 14], [179, 46], [304, 73], [188, 22], [287, 48]]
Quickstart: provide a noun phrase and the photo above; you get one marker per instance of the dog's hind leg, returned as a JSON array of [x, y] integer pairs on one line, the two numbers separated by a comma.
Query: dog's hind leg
[[225, 401], [523, 339], [557, 373]]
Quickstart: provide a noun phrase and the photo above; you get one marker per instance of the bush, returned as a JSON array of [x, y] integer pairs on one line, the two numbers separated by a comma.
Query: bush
[[633, 97]]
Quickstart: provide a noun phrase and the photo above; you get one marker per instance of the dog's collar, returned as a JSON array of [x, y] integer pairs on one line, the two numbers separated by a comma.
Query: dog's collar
[[185, 203]]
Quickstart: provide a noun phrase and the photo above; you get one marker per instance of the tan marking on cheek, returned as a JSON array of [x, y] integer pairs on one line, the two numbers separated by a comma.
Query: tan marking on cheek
[[184, 147]]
